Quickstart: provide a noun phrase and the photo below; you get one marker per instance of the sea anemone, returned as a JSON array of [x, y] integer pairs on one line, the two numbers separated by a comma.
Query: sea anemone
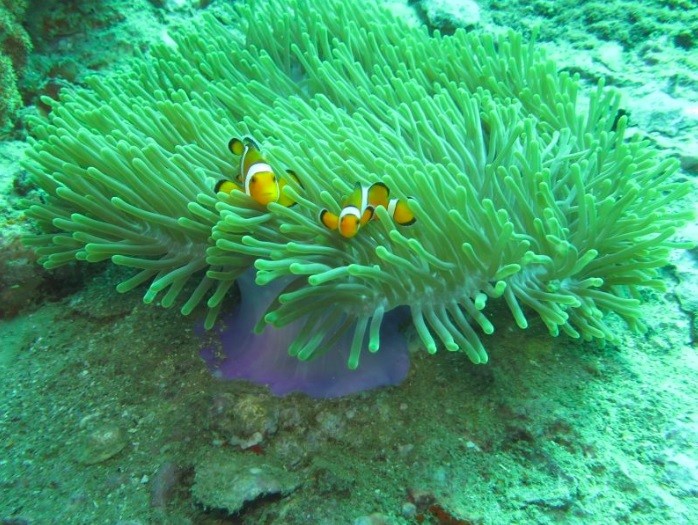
[[522, 189]]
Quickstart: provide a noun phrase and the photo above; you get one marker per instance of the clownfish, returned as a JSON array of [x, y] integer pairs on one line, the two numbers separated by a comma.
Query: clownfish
[[357, 209], [256, 177]]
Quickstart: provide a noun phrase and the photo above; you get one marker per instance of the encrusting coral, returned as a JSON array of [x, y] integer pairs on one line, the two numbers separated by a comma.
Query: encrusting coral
[[520, 190], [15, 46]]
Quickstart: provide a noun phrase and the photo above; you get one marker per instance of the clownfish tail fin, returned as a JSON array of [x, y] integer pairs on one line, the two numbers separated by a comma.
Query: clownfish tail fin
[[328, 219], [225, 186]]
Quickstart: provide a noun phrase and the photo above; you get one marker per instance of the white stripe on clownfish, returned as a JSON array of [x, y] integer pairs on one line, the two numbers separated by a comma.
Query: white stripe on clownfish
[[254, 169], [351, 211]]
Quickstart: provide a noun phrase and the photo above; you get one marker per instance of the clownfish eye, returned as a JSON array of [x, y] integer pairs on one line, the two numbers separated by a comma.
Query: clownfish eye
[[253, 180]]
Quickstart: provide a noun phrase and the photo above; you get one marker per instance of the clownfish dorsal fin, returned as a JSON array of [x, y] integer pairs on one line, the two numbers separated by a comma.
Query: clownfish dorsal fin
[[354, 198], [236, 146], [378, 195]]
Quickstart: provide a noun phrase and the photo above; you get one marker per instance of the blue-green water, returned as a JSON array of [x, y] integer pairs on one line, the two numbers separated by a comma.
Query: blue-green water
[[108, 415]]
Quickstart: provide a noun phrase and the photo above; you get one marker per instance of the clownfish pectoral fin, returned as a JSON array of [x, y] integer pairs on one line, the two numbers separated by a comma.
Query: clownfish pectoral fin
[[328, 219], [236, 146], [400, 211], [378, 195], [225, 186]]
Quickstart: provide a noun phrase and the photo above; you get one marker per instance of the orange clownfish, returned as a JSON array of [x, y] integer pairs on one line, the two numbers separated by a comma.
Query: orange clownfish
[[357, 209], [256, 177]]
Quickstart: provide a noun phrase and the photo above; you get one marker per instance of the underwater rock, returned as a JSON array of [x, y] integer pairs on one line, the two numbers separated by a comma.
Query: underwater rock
[[244, 420], [15, 46], [100, 444], [681, 470], [14, 521], [447, 15], [610, 54], [661, 113], [20, 281], [408, 510], [687, 274], [374, 519], [95, 302], [227, 481], [164, 484], [680, 459]]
